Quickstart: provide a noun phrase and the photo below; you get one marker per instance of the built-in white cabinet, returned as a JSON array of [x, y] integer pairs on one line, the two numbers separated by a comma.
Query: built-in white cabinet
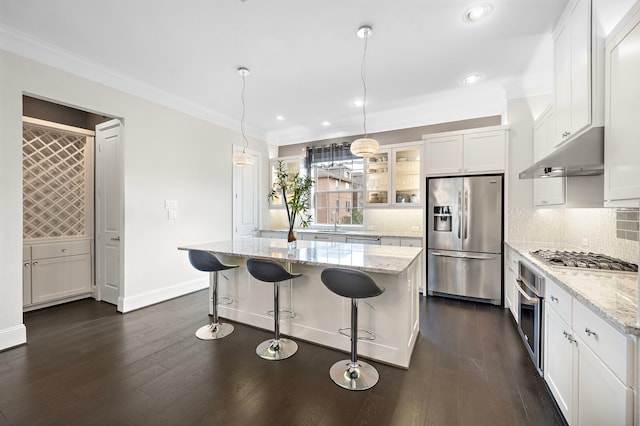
[[546, 191], [393, 175], [510, 275], [466, 152], [579, 65], [322, 236], [588, 365], [57, 271], [572, 71], [622, 132]]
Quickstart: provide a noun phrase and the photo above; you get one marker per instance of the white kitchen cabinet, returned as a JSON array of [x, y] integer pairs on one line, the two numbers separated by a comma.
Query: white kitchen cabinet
[[572, 71], [579, 78], [602, 398], [467, 151], [390, 241], [622, 133], [363, 239], [510, 275], [410, 242], [273, 234], [322, 236], [393, 176], [378, 171], [559, 361], [588, 364], [546, 191], [58, 271]]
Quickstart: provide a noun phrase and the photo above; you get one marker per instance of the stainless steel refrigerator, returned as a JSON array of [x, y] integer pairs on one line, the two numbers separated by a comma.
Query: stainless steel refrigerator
[[465, 236]]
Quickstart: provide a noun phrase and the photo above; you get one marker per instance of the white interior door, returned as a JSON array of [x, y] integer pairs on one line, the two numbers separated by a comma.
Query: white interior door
[[246, 197], [109, 196]]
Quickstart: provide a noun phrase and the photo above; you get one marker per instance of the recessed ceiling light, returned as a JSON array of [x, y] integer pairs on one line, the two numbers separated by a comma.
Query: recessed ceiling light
[[472, 79], [358, 102], [326, 123], [279, 117], [477, 12]]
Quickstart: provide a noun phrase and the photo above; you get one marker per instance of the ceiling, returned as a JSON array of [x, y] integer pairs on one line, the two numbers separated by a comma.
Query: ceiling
[[304, 57]]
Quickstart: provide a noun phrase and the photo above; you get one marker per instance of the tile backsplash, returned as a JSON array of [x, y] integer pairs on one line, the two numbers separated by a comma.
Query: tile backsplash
[[594, 230]]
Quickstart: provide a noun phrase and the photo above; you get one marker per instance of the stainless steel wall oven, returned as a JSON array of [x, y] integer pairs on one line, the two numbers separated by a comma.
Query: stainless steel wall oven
[[530, 287]]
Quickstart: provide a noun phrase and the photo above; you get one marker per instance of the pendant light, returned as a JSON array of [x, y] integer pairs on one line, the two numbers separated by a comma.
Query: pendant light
[[242, 158], [364, 147]]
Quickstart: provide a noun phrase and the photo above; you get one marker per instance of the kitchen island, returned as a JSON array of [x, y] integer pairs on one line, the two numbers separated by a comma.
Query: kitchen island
[[318, 313]]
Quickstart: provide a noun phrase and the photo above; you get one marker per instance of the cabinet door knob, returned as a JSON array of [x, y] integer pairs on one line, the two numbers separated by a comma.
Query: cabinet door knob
[[554, 299], [34, 263], [26, 264], [589, 332]]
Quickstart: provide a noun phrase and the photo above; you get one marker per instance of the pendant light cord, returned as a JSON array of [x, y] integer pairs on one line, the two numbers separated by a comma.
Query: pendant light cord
[[364, 85], [246, 142]]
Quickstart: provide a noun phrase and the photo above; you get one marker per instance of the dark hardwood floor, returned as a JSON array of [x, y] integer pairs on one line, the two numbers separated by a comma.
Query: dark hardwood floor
[[86, 364]]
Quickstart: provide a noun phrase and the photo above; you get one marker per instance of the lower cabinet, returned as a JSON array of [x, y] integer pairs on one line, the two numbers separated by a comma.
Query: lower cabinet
[[587, 366], [57, 271], [510, 275]]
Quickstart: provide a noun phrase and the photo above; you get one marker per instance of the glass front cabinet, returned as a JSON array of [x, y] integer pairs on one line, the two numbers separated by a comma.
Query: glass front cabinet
[[393, 176]]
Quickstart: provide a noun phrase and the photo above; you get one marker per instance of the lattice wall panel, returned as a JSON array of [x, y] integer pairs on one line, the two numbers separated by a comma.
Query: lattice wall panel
[[54, 183]]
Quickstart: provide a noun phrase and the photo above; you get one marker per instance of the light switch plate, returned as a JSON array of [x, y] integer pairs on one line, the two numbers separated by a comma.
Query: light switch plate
[[172, 214], [170, 204]]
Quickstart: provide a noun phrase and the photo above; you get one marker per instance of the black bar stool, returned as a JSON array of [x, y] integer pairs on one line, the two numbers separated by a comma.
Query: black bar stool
[[207, 262], [272, 272], [352, 374]]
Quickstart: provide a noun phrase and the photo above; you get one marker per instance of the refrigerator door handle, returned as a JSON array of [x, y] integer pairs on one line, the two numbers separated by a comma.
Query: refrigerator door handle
[[466, 213], [459, 212], [467, 257]]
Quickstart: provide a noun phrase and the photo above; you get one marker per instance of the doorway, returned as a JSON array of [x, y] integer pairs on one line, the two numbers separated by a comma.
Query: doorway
[[58, 172]]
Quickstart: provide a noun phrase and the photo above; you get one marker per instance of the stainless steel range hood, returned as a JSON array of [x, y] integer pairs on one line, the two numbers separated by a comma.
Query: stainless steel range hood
[[583, 156]]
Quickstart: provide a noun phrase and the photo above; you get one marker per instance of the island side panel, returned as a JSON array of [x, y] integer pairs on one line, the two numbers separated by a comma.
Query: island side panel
[[320, 313]]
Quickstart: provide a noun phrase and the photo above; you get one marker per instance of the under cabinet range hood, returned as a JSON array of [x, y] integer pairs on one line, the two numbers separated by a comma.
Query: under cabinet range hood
[[583, 156]]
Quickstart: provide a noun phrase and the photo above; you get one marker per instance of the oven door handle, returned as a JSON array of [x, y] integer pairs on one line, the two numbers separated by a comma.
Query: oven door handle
[[532, 300]]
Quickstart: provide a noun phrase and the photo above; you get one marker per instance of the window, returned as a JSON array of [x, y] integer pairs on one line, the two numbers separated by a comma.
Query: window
[[339, 183]]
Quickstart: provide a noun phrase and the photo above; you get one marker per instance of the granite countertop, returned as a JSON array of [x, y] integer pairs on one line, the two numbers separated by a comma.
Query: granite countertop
[[353, 232], [369, 258], [611, 295]]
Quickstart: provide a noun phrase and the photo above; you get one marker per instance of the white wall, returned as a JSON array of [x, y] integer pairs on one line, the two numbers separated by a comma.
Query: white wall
[[168, 155]]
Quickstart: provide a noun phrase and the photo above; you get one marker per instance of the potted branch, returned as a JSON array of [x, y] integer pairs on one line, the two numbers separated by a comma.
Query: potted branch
[[295, 191]]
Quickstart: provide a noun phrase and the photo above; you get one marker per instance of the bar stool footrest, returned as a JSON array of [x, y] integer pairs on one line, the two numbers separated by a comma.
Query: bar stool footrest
[[284, 313], [369, 335], [225, 300]]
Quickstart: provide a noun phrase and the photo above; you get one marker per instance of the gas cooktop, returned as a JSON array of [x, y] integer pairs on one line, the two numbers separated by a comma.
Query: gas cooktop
[[584, 260]]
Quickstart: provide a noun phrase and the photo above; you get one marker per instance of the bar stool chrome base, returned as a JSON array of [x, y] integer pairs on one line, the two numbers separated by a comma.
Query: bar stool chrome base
[[214, 331], [361, 377], [275, 350]]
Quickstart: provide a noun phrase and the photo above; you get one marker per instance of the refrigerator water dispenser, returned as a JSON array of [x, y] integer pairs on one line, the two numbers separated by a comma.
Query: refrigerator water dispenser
[[442, 218]]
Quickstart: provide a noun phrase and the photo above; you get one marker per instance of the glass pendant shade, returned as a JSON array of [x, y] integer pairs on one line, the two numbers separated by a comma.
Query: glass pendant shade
[[364, 147], [243, 159]]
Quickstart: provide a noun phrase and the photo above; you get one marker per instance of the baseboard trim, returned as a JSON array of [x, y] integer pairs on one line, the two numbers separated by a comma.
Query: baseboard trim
[[13, 336], [142, 300]]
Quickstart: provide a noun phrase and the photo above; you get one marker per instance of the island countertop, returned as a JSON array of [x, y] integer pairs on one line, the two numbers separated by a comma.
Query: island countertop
[[368, 258]]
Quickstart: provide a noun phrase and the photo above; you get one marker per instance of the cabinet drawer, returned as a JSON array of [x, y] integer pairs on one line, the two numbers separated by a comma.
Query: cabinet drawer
[[389, 241], [411, 242], [605, 341], [559, 300], [70, 248]]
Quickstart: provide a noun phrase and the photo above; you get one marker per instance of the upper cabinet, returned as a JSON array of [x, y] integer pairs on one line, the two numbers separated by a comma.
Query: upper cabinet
[[622, 133], [572, 71], [579, 65], [466, 151], [393, 176], [548, 191]]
